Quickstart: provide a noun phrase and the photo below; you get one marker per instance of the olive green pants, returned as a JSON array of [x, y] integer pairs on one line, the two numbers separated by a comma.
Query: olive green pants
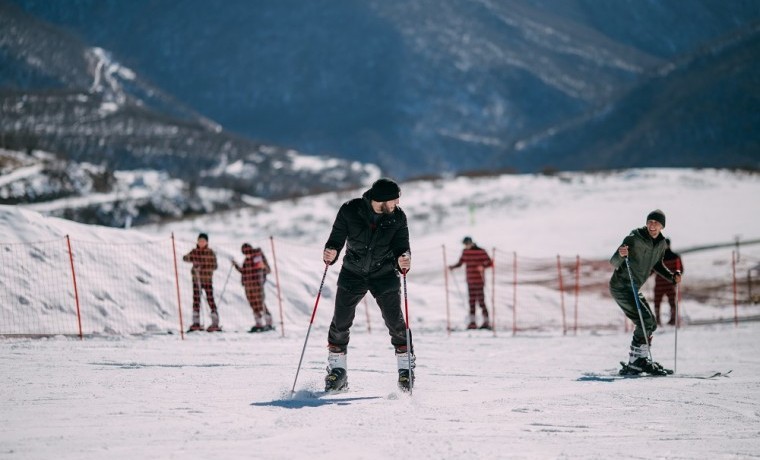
[[627, 302]]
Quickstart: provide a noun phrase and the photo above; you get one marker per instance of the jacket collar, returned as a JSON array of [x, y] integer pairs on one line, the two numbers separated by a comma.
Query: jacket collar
[[644, 233]]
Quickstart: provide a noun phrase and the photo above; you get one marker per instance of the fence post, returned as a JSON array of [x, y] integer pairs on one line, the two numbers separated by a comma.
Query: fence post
[[176, 283], [514, 293], [561, 296], [733, 274], [446, 285], [493, 292], [76, 290], [279, 291], [577, 291]]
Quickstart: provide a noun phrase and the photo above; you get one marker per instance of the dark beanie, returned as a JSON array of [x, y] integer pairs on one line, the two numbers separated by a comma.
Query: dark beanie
[[657, 215], [204, 236], [384, 190], [467, 240]]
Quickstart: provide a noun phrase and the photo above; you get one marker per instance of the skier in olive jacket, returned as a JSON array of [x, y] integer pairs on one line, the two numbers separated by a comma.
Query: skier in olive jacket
[[374, 230], [644, 247]]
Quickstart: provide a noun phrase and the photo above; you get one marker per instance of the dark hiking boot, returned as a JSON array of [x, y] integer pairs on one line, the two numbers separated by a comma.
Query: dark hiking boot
[[336, 380], [214, 328], [472, 326], [195, 327], [486, 325]]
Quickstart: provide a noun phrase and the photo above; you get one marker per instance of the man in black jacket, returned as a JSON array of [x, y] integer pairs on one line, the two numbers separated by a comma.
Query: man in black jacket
[[375, 233]]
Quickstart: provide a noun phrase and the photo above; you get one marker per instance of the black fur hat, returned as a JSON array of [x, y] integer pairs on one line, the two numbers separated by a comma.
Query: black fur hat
[[384, 190]]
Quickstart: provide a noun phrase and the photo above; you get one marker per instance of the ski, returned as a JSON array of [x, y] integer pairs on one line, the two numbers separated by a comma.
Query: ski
[[600, 377], [192, 330]]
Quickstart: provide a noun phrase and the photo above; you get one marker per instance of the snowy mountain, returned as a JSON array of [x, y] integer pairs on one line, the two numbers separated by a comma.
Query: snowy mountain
[[423, 87], [78, 117], [160, 112]]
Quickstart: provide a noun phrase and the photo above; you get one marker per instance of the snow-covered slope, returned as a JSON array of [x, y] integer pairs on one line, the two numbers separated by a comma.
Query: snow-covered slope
[[568, 213], [535, 217], [538, 394]]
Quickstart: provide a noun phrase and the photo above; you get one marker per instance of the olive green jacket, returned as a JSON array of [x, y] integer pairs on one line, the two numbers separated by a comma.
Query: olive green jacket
[[644, 255]]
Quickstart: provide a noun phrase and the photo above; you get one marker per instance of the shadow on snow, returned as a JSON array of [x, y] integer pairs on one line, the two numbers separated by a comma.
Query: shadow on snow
[[311, 400]]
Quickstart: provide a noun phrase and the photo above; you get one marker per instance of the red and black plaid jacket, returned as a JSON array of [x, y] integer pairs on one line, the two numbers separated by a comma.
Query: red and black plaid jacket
[[673, 262], [473, 258]]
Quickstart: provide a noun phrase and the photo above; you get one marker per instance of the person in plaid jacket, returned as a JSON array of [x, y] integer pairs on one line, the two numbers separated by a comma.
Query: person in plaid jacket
[[203, 259], [254, 273], [476, 260], [664, 287]]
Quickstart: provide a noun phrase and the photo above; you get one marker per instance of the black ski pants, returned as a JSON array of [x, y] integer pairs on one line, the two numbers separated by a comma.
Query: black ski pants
[[351, 290]]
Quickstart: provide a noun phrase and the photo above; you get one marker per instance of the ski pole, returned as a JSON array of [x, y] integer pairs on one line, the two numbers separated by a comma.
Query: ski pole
[[308, 331], [408, 335], [224, 288], [638, 308], [678, 324], [459, 290]]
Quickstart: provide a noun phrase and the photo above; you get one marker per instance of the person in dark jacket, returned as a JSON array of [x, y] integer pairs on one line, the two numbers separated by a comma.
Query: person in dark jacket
[[476, 260], [664, 288], [254, 273], [204, 264], [644, 248], [374, 230]]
